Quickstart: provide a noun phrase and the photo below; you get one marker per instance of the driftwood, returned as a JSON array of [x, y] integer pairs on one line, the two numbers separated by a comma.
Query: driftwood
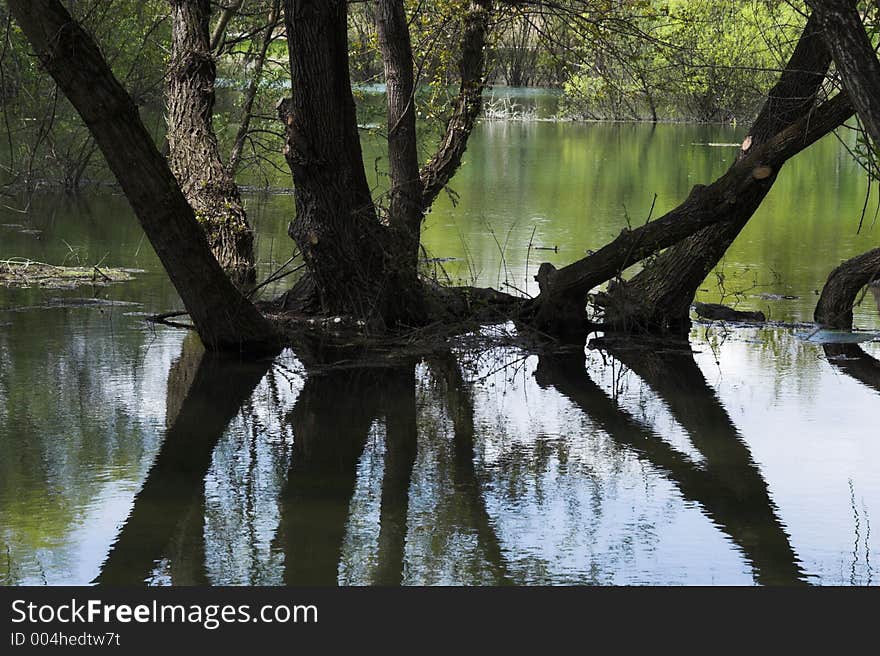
[[718, 312], [17, 272]]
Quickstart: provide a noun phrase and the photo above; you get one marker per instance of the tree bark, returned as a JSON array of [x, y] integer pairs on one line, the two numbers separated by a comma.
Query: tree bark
[[658, 299], [222, 316], [358, 263], [835, 306], [193, 151], [854, 57], [559, 308], [405, 211], [355, 264]]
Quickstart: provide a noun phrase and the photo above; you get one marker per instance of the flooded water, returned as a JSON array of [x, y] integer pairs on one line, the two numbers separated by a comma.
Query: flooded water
[[750, 456]]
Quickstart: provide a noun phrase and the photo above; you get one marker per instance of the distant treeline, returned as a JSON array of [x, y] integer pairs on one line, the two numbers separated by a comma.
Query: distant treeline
[[688, 60]]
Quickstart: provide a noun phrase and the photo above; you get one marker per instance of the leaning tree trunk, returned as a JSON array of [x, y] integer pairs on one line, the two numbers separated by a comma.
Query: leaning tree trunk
[[859, 67], [193, 152], [223, 317], [841, 290], [559, 308], [658, 299]]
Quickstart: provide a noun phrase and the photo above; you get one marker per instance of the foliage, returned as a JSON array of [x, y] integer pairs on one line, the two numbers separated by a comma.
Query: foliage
[[663, 59], [682, 59], [45, 139]]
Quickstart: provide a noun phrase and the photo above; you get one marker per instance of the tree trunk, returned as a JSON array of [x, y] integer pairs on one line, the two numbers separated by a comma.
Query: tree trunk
[[835, 306], [193, 152], [357, 264], [857, 62], [658, 299], [559, 308], [437, 173], [854, 56], [405, 212], [222, 316], [346, 249]]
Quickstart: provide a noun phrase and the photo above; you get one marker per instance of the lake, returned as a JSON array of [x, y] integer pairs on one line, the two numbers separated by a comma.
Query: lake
[[128, 456]]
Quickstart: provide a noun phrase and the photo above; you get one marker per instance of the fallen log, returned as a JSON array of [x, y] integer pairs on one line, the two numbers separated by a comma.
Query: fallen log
[[718, 312]]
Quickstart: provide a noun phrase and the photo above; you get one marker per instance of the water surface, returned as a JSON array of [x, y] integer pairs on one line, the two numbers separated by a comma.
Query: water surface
[[128, 456]]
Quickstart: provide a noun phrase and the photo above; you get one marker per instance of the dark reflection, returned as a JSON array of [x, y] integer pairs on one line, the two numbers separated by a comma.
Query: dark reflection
[[331, 421], [401, 438], [728, 485], [460, 405], [205, 392], [852, 360], [335, 414]]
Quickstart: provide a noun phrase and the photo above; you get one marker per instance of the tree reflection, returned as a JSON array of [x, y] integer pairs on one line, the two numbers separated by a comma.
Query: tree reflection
[[460, 405], [729, 486], [331, 420], [852, 360], [205, 392], [401, 439]]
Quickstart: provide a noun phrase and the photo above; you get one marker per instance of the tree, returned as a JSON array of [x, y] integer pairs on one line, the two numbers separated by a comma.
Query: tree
[[222, 316], [858, 65], [45, 141], [194, 155], [696, 60], [658, 298], [362, 258], [253, 86], [560, 307], [362, 253]]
